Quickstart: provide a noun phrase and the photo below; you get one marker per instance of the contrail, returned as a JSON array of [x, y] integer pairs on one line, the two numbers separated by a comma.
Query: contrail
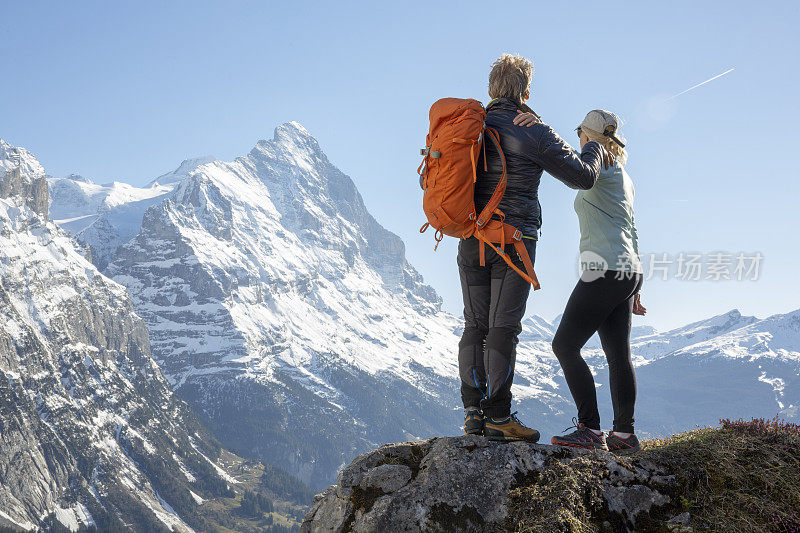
[[699, 84]]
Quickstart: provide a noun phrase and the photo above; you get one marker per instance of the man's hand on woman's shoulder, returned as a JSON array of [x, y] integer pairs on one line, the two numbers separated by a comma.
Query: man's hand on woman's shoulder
[[526, 119]]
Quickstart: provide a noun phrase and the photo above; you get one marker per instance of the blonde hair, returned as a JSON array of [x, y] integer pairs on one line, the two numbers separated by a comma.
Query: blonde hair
[[511, 77], [619, 153]]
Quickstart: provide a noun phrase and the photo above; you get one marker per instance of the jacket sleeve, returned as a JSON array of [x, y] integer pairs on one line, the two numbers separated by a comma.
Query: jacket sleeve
[[558, 159]]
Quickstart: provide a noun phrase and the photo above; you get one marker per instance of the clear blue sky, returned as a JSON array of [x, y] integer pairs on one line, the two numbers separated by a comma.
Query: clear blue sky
[[126, 90]]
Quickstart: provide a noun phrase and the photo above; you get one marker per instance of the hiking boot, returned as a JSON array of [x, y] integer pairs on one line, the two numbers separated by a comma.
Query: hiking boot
[[473, 421], [582, 437], [620, 446], [509, 429]]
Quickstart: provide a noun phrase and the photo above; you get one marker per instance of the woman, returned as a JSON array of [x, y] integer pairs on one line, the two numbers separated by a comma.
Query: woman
[[605, 296]]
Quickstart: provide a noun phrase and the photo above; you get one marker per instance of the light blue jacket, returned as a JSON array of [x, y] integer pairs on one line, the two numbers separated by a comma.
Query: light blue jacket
[[605, 214]]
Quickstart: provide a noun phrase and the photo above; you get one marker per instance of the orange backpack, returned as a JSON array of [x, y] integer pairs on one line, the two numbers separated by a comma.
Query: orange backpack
[[448, 173]]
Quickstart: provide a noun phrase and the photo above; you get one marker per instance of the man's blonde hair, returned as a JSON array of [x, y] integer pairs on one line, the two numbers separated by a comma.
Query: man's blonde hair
[[511, 78]]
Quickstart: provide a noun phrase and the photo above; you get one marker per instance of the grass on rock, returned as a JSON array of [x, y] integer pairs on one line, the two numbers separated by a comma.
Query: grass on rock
[[742, 476]]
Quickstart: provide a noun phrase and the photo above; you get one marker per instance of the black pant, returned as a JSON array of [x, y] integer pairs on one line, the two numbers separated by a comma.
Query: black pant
[[494, 303], [604, 305]]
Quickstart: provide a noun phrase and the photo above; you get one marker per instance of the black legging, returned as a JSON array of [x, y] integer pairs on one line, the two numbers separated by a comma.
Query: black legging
[[604, 305]]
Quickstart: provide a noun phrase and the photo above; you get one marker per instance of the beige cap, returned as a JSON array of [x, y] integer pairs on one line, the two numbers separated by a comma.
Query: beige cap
[[604, 122]]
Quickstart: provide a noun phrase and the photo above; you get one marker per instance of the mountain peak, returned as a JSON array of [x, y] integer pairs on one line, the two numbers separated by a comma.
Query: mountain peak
[[22, 176], [186, 167], [71, 177], [292, 142], [12, 157], [292, 128]]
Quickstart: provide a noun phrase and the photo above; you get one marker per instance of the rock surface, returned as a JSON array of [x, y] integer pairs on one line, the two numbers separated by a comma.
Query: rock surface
[[22, 179], [463, 484]]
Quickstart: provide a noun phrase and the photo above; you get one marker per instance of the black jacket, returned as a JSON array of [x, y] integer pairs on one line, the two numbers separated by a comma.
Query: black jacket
[[528, 152]]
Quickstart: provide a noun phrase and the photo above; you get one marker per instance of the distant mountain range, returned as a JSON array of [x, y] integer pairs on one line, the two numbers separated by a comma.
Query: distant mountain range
[[291, 321], [105, 216]]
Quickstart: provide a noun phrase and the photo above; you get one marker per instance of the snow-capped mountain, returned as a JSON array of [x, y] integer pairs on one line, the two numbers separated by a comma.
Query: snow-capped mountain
[[22, 179], [285, 313], [753, 370], [185, 168], [101, 217], [292, 321], [90, 430], [657, 344]]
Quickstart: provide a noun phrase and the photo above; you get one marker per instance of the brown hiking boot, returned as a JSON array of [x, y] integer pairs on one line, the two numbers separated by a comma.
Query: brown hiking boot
[[509, 429]]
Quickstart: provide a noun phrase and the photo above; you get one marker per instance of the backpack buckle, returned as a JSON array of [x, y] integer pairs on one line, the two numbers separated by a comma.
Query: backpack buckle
[[480, 222], [517, 235]]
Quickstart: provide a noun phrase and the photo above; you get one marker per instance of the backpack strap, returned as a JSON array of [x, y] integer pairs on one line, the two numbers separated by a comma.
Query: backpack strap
[[529, 276], [474, 143], [497, 232], [532, 280], [522, 252], [500, 190]]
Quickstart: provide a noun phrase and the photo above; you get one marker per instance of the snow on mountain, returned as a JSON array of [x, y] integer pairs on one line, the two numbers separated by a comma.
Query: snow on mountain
[[535, 327], [727, 366], [285, 313], [104, 216], [90, 431], [648, 343], [185, 168], [657, 344], [752, 370], [22, 178], [772, 346]]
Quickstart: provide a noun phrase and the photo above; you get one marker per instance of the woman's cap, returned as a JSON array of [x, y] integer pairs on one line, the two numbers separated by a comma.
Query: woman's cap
[[598, 120], [604, 122]]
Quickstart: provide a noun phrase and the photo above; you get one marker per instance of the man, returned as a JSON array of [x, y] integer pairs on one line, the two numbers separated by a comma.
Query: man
[[494, 294]]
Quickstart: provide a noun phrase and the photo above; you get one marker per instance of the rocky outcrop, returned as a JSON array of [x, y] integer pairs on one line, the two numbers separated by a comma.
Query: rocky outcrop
[[468, 484], [23, 178], [742, 476]]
